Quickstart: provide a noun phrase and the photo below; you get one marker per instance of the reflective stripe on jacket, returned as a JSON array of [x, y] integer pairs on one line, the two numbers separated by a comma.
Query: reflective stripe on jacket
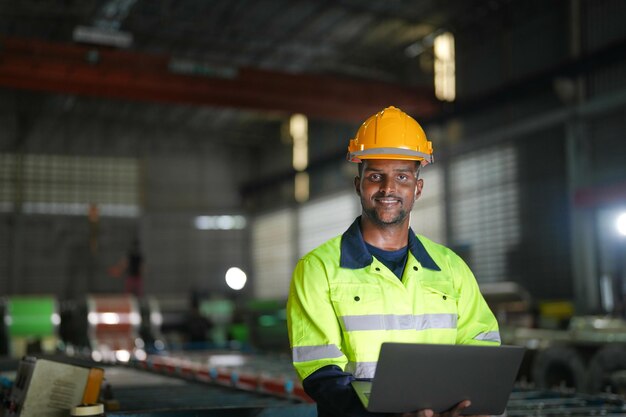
[[344, 303]]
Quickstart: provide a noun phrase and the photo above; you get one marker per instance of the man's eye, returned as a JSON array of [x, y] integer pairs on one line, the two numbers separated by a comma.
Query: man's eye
[[375, 177], [403, 177]]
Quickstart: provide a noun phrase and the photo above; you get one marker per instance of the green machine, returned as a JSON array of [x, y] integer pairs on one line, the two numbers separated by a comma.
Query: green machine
[[31, 324], [267, 320]]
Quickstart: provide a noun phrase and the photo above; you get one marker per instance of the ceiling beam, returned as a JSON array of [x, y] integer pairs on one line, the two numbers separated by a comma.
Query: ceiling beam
[[129, 75]]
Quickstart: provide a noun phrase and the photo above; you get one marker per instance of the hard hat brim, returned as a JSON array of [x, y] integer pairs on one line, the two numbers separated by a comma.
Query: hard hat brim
[[390, 153]]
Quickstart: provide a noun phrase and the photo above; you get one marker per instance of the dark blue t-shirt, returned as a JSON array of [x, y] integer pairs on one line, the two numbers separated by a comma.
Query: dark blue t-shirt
[[395, 260]]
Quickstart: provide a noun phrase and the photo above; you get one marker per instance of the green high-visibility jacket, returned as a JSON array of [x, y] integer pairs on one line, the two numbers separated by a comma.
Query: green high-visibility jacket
[[344, 303]]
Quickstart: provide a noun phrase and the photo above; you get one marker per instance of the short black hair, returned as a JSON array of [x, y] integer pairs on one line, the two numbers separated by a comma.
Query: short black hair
[[418, 165]]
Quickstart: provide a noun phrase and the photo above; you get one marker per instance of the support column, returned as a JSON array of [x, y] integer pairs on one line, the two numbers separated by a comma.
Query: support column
[[583, 241]]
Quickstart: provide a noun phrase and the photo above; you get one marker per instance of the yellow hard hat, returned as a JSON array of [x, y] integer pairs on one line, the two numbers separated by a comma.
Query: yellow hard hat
[[391, 134]]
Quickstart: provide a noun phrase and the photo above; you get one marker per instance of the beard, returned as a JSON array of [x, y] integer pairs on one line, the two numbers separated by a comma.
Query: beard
[[373, 215]]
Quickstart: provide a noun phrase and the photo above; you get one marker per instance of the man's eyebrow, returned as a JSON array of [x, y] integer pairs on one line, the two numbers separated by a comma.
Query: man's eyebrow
[[403, 170], [372, 169]]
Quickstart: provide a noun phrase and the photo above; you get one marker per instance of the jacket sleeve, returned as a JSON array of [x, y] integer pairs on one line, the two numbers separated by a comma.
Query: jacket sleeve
[[476, 323], [314, 331], [330, 388]]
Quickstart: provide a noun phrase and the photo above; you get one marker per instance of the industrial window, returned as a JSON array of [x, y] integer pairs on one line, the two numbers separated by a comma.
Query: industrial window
[[427, 217], [484, 210], [7, 182], [324, 219], [273, 254], [55, 184]]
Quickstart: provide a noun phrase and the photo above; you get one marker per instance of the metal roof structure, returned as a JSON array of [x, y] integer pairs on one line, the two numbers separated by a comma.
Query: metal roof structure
[[230, 63]]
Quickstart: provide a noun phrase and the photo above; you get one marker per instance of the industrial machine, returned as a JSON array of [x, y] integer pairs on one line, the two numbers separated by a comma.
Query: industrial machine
[[580, 353]]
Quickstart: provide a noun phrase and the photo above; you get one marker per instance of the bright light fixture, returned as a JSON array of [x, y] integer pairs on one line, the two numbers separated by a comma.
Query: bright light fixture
[[236, 278], [225, 222], [102, 36], [299, 130], [301, 187], [445, 72], [620, 224]]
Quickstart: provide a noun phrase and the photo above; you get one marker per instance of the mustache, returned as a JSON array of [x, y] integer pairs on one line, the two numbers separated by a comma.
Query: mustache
[[384, 195]]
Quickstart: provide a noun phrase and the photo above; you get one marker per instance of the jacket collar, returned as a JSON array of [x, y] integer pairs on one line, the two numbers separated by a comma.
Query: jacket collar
[[354, 253]]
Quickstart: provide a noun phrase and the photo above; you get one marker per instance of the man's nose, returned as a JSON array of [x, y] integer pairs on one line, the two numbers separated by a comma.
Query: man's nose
[[387, 185]]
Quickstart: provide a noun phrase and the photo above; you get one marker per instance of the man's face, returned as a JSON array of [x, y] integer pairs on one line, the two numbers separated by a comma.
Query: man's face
[[388, 188]]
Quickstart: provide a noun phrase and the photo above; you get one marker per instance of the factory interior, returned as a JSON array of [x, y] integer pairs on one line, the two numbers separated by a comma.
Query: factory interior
[[165, 164]]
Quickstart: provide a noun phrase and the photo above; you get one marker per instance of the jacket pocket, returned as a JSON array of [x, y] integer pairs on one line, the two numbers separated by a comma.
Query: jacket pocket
[[357, 299], [440, 296]]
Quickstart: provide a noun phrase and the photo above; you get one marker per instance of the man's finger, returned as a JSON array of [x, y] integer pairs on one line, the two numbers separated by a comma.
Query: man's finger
[[459, 407], [421, 413]]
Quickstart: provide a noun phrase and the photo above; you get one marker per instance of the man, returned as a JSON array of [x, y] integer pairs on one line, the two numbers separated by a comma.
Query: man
[[379, 282]]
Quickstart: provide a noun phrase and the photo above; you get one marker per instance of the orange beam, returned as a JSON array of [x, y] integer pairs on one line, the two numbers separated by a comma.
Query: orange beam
[[100, 72]]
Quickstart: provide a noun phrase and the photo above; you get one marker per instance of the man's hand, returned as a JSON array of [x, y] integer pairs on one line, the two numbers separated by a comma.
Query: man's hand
[[455, 412]]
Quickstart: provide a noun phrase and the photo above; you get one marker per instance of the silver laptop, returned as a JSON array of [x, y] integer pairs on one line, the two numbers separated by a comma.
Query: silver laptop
[[411, 377]]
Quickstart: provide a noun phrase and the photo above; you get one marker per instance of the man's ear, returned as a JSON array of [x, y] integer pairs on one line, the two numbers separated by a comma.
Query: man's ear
[[418, 188], [357, 185]]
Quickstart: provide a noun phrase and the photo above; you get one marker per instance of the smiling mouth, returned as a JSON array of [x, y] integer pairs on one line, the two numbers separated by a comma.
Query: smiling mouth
[[388, 200]]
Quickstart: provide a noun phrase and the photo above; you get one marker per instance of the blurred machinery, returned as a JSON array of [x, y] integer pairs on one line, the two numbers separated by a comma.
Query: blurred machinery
[[582, 354], [45, 388], [510, 302], [4, 336], [267, 325], [219, 312], [151, 322], [585, 354], [111, 326], [243, 365], [114, 323], [524, 402], [228, 384], [29, 326], [216, 322]]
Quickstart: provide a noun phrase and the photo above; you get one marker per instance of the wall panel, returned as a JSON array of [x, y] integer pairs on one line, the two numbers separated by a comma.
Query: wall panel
[[484, 210], [428, 215], [273, 252], [323, 219]]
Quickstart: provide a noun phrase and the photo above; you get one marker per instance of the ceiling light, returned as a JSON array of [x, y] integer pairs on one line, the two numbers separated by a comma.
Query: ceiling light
[[225, 222], [106, 37], [445, 72], [299, 131]]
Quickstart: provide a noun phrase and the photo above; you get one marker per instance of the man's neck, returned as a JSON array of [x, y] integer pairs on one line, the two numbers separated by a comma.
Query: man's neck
[[386, 237]]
